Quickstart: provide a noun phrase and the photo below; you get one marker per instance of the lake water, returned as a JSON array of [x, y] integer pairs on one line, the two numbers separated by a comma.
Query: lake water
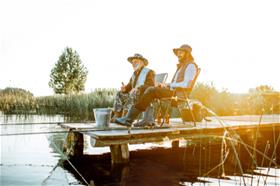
[[35, 159]]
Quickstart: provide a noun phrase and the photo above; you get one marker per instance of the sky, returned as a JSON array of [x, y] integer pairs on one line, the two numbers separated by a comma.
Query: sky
[[236, 43]]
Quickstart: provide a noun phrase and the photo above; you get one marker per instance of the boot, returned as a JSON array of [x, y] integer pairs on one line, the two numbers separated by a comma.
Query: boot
[[116, 115], [127, 120], [148, 118]]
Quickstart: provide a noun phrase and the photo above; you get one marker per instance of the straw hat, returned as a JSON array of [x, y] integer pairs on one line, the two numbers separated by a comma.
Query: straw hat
[[138, 56], [184, 47]]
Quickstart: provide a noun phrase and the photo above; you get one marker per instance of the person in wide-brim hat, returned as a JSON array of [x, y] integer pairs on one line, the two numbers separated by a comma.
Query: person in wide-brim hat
[[141, 79], [138, 56], [184, 48]]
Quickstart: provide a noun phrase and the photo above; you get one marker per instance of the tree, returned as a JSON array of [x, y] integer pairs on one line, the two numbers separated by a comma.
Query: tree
[[69, 74]]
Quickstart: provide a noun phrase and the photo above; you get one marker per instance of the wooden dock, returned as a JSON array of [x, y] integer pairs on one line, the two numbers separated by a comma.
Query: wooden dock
[[118, 137]]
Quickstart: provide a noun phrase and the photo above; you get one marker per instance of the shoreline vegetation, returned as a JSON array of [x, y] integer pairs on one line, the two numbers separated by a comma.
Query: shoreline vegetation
[[261, 100]]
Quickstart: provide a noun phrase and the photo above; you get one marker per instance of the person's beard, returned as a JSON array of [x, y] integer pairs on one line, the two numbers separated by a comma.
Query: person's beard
[[137, 67], [183, 59]]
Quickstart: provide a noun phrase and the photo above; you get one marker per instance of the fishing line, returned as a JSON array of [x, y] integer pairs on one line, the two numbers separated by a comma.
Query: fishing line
[[67, 159]]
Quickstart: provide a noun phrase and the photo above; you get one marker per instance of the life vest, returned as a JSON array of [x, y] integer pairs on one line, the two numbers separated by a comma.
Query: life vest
[[141, 78]]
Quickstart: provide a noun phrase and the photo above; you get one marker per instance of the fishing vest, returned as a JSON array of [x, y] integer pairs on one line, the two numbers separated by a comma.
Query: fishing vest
[[181, 72], [140, 80]]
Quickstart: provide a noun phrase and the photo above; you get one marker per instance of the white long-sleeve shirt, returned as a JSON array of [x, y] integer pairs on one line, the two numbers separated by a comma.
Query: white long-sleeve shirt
[[190, 73]]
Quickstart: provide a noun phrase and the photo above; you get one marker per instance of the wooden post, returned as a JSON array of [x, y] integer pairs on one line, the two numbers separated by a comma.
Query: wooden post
[[175, 144], [119, 173], [74, 144], [119, 153]]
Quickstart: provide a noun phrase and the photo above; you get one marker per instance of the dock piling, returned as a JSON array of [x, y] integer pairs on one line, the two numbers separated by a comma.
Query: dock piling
[[74, 144], [119, 153]]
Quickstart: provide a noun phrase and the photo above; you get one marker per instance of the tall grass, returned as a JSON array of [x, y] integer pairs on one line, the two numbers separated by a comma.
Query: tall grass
[[79, 106], [15, 100], [19, 101]]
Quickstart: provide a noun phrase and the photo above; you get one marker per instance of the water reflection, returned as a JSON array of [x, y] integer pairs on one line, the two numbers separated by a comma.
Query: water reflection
[[31, 159], [36, 160], [196, 162]]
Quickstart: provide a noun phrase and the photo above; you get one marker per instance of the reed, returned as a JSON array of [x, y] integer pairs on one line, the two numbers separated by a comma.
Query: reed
[[17, 100], [77, 105]]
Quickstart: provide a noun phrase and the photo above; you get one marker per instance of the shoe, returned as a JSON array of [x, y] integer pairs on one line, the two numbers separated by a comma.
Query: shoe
[[144, 123], [127, 120], [116, 115], [148, 118]]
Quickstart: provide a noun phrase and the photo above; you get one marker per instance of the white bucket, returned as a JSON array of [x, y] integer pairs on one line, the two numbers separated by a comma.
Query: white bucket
[[102, 117]]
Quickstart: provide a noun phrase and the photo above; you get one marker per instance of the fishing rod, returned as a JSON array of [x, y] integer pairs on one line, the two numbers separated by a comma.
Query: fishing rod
[[79, 130], [45, 123], [33, 133]]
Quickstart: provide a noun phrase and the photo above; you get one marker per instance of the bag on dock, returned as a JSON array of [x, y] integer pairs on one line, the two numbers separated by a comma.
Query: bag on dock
[[198, 113]]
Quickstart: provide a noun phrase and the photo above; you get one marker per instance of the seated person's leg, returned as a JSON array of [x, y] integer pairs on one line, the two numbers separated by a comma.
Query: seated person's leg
[[141, 105], [120, 104], [148, 115], [150, 94], [129, 100]]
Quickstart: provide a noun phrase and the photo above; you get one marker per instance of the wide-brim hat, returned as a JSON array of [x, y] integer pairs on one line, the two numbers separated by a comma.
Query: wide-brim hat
[[138, 56], [184, 47]]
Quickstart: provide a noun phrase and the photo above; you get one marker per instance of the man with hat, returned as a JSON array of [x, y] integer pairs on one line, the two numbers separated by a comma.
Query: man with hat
[[185, 73], [141, 79]]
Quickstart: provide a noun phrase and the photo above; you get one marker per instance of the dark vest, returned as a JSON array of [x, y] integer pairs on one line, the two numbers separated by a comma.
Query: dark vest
[[181, 69]]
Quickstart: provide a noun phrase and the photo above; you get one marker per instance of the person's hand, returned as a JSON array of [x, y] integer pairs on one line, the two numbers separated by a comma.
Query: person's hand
[[123, 87], [161, 85], [133, 91]]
